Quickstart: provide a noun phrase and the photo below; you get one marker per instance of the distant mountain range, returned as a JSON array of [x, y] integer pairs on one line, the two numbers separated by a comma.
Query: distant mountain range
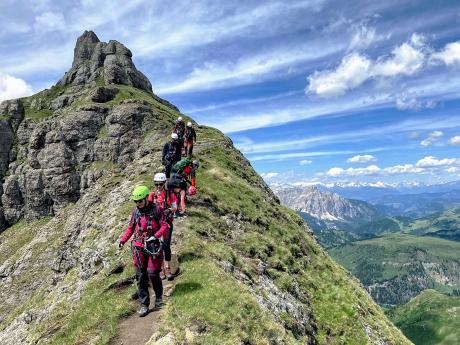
[[417, 205], [368, 191], [332, 218]]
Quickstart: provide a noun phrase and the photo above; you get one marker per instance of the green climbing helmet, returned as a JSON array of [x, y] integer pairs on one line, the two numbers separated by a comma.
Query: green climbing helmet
[[139, 193]]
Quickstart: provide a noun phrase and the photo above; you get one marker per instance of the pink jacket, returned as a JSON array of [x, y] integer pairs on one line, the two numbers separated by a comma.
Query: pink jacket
[[159, 228]]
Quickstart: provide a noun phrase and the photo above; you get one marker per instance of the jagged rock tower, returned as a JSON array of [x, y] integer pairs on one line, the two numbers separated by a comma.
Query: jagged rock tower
[[111, 61], [49, 140]]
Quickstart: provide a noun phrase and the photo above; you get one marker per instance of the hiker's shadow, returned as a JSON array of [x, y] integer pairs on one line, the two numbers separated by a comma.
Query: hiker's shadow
[[181, 289]]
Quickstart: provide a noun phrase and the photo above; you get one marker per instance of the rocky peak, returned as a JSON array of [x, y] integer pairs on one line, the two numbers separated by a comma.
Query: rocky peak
[[111, 62]]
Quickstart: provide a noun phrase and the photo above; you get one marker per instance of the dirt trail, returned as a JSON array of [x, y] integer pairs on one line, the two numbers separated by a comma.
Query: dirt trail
[[135, 330]]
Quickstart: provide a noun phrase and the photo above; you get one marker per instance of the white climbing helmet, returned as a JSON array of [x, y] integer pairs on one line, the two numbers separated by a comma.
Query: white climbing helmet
[[159, 177], [189, 124], [174, 136], [179, 119]]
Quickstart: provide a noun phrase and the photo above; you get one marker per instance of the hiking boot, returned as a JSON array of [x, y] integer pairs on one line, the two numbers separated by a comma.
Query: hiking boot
[[143, 310], [158, 302]]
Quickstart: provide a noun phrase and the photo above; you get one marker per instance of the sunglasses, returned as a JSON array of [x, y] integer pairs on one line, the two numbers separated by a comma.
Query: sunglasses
[[139, 201], [159, 184]]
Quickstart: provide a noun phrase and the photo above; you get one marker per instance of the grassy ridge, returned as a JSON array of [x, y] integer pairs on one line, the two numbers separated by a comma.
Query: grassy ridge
[[265, 233], [430, 318], [234, 224], [399, 258]]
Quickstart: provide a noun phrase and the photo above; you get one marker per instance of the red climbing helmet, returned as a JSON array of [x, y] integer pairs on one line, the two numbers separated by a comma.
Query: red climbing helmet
[[191, 190]]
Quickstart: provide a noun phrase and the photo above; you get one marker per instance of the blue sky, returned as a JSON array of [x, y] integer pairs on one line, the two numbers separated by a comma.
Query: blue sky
[[308, 90]]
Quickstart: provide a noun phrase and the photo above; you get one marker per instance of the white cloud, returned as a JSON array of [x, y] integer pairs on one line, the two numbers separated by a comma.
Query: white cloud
[[304, 162], [361, 159], [370, 170], [12, 87], [406, 59], [406, 100], [453, 170], [355, 69], [455, 140], [403, 169], [246, 70], [352, 72], [363, 36], [431, 161], [432, 137], [450, 55], [49, 21], [269, 175]]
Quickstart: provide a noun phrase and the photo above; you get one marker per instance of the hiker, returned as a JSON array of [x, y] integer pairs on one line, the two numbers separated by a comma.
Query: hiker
[[190, 138], [149, 226], [184, 172], [171, 153], [178, 185], [179, 129], [167, 200]]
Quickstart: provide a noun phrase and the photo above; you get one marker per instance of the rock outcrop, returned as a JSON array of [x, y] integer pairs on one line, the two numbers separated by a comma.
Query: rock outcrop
[[44, 162], [111, 61]]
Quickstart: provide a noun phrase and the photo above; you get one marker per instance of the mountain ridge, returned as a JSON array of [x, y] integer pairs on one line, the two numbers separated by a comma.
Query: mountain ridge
[[80, 150]]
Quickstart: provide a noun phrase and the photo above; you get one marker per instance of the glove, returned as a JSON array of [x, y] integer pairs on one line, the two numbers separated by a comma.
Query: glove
[[120, 245]]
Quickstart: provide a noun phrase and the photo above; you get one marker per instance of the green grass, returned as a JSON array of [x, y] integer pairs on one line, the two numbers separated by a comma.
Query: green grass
[[275, 235], [17, 236], [429, 319], [103, 133], [197, 303], [233, 220], [401, 256]]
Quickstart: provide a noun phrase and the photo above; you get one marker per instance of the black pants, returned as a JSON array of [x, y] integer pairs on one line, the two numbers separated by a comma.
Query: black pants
[[168, 168], [142, 279], [167, 243]]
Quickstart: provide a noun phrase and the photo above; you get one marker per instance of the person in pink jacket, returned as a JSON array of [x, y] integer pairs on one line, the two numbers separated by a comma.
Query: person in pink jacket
[[149, 228]]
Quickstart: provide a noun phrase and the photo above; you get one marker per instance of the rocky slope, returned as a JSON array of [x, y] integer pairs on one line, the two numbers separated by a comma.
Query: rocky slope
[[253, 274]]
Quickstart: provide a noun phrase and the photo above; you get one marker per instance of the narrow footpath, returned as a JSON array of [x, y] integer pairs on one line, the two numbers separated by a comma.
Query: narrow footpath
[[135, 330]]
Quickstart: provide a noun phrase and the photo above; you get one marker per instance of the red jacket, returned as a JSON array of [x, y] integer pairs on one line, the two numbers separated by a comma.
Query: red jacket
[[154, 216], [163, 201], [189, 172]]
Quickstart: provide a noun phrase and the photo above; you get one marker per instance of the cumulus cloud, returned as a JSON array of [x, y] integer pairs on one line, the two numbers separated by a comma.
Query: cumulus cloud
[[432, 137], [304, 162], [361, 159], [12, 87], [450, 55], [370, 170], [355, 69], [455, 140], [431, 161]]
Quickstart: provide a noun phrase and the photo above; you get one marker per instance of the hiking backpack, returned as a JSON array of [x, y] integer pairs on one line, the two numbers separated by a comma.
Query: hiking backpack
[[179, 167]]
